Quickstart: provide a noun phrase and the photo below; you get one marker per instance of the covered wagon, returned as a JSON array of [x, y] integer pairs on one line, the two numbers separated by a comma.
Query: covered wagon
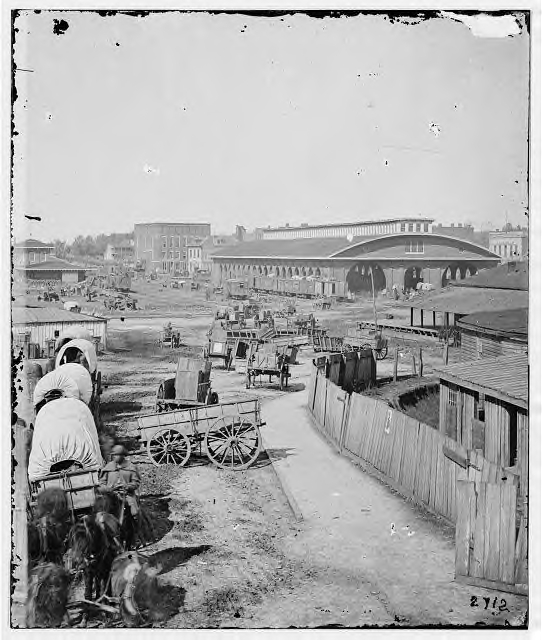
[[65, 452], [83, 352]]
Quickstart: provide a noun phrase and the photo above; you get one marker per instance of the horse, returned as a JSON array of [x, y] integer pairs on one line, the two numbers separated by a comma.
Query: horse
[[47, 530], [93, 543], [134, 582], [47, 595]]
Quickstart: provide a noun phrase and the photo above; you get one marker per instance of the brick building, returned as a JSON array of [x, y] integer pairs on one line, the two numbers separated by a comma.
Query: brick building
[[162, 246]]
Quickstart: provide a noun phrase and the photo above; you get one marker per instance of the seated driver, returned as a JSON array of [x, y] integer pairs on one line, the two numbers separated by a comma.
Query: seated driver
[[121, 476]]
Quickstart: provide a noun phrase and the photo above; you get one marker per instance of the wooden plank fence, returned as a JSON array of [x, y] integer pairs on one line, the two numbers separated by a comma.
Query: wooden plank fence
[[424, 463]]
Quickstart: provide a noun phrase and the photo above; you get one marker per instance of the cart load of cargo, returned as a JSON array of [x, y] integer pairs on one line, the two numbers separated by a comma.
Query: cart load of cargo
[[267, 359], [191, 386], [228, 434], [169, 337], [65, 452]]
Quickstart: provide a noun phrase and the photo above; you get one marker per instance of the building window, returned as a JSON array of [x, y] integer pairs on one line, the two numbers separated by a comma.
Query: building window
[[418, 226], [32, 257], [403, 226], [426, 227], [411, 226], [452, 397], [414, 246], [479, 347], [164, 242]]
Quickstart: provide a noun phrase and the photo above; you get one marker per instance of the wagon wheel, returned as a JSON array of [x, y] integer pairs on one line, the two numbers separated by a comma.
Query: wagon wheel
[[381, 353], [233, 442], [169, 446]]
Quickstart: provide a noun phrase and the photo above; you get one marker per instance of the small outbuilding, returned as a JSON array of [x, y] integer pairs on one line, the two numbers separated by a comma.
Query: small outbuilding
[[484, 406], [490, 334], [36, 329]]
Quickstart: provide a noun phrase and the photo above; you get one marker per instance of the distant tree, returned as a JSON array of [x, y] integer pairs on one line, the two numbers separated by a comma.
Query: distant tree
[[61, 248]]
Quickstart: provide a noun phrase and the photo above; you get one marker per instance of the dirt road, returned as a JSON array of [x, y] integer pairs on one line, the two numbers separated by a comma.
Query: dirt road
[[231, 546]]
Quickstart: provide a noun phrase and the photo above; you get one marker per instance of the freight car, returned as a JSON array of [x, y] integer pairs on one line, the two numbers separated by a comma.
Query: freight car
[[300, 288]]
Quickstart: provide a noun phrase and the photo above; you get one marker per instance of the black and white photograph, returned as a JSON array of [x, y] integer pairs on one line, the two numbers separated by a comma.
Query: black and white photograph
[[273, 277]]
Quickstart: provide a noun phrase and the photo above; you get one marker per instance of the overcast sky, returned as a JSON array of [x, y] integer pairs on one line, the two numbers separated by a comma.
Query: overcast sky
[[236, 119]]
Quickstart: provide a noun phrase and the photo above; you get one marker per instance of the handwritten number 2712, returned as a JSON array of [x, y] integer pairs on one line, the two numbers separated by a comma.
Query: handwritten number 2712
[[502, 606]]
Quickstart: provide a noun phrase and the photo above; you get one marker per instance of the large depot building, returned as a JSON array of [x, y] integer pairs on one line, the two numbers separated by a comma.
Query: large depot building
[[400, 251]]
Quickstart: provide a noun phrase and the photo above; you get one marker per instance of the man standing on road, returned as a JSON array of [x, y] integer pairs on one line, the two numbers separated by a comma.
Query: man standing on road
[[122, 477]]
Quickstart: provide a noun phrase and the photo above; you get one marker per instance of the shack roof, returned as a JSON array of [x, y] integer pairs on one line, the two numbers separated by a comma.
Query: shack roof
[[505, 378], [513, 275], [44, 315], [510, 323], [463, 300], [53, 264]]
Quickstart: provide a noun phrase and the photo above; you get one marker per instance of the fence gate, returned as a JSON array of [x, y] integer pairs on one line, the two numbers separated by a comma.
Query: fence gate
[[489, 545]]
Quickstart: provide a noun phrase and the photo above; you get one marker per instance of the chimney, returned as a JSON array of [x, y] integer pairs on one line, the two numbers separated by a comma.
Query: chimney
[[460, 224], [452, 225], [287, 224]]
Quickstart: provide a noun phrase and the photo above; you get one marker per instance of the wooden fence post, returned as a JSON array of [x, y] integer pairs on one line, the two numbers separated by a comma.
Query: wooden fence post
[[445, 354], [395, 364], [413, 364], [420, 373]]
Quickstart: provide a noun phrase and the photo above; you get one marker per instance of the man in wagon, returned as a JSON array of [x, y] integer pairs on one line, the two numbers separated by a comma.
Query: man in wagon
[[122, 477]]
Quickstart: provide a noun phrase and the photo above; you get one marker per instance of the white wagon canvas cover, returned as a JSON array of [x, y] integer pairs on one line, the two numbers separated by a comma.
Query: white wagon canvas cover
[[64, 430], [83, 346]]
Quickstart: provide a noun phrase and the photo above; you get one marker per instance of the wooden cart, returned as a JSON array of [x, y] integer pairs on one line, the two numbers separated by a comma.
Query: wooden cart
[[190, 387], [368, 339], [228, 434], [267, 359], [169, 337]]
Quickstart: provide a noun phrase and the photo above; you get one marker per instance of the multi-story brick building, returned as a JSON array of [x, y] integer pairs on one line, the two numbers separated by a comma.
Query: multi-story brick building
[[511, 244], [162, 246]]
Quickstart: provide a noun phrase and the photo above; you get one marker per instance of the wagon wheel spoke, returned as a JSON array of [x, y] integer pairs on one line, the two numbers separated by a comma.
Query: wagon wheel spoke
[[232, 443], [169, 446]]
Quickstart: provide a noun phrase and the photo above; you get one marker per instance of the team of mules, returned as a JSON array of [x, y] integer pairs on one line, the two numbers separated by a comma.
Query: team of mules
[[97, 547]]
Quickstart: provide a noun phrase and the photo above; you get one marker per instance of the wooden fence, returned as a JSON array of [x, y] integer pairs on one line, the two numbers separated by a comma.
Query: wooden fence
[[420, 462]]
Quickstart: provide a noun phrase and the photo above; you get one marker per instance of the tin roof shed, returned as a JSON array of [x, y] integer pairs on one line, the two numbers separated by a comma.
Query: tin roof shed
[[505, 378]]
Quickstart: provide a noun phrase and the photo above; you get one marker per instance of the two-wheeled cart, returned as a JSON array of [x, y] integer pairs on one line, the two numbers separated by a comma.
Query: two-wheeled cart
[[267, 359]]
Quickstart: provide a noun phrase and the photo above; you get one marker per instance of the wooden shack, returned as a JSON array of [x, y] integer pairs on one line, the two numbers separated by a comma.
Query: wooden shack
[[41, 325], [491, 334], [484, 407]]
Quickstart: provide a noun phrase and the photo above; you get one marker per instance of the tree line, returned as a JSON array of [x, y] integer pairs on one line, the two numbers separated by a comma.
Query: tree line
[[89, 246]]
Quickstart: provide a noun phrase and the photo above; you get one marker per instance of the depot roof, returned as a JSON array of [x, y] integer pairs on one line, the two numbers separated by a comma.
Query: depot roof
[[513, 275], [53, 264], [33, 244], [353, 249], [510, 323], [463, 300]]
